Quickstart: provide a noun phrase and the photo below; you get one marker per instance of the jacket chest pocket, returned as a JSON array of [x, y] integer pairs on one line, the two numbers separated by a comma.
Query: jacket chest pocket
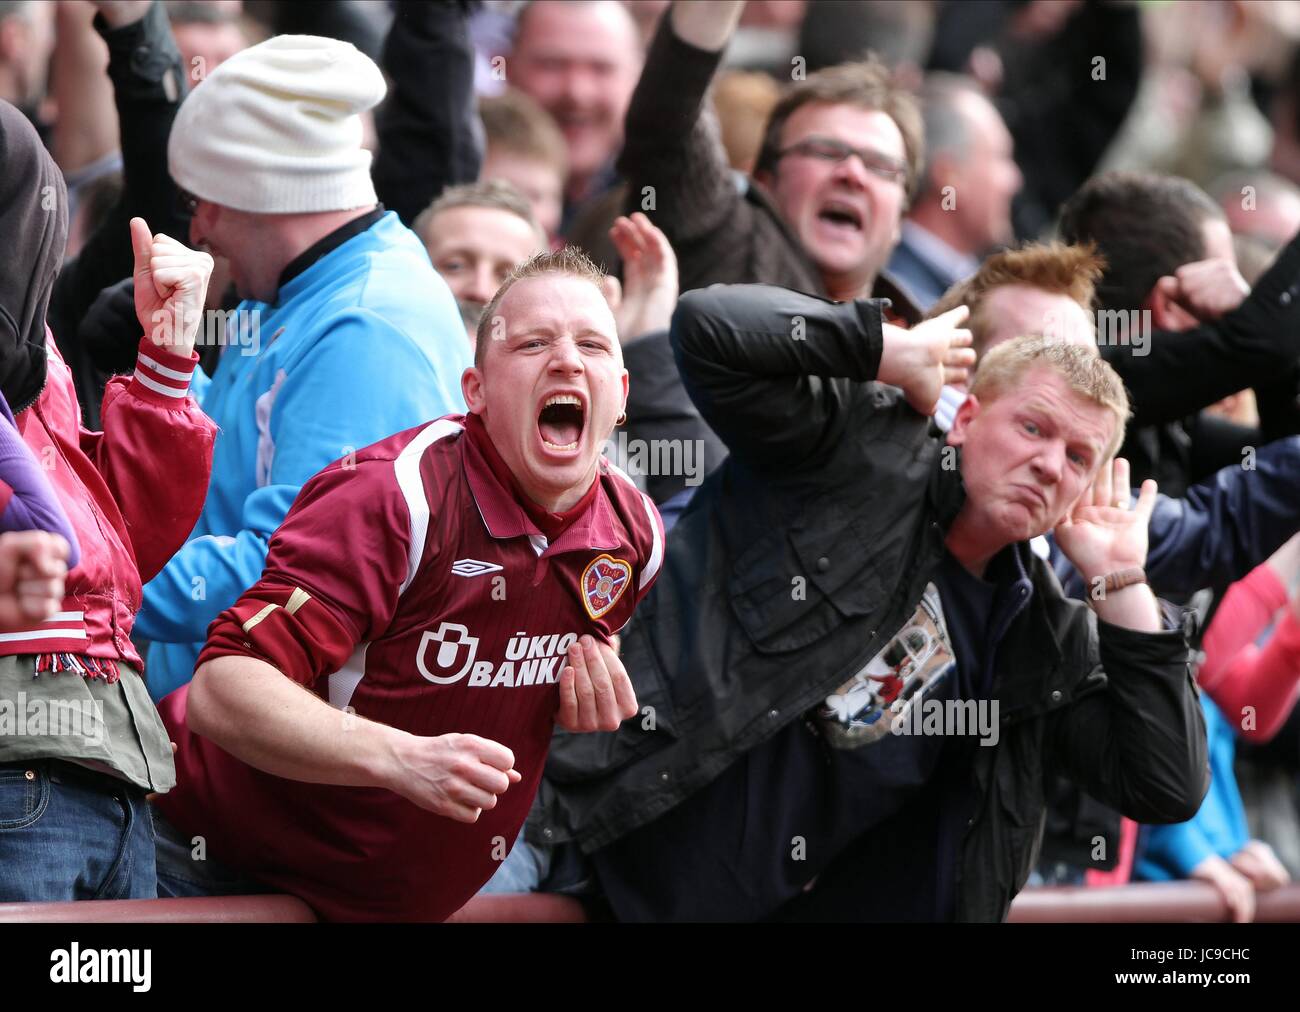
[[1018, 772], [801, 582], [1019, 802]]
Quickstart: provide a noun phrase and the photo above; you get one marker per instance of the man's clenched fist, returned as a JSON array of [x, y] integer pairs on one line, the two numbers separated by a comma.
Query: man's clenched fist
[[171, 281], [1206, 288], [456, 775], [32, 567]]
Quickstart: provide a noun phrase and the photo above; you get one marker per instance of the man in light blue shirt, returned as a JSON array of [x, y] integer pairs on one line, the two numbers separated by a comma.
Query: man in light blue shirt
[[345, 334]]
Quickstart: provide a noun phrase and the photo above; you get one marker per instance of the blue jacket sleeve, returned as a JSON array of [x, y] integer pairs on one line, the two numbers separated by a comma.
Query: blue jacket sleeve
[[1227, 525], [363, 381], [1174, 850]]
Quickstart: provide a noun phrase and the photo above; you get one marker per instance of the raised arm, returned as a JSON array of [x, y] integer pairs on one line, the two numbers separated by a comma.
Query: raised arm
[[1177, 374], [671, 140], [148, 78], [773, 371], [155, 453], [428, 126], [86, 129]]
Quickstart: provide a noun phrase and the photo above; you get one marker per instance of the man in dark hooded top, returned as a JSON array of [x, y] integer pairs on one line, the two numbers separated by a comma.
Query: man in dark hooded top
[[80, 741], [34, 223]]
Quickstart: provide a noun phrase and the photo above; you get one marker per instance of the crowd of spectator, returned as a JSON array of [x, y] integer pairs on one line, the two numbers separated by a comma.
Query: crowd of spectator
[[786, 460]]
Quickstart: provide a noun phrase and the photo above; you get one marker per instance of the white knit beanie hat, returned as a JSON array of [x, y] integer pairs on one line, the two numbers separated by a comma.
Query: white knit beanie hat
[[276, 129]]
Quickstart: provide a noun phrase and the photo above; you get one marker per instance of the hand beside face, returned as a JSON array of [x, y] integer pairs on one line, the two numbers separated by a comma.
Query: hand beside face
[[1028, 455]]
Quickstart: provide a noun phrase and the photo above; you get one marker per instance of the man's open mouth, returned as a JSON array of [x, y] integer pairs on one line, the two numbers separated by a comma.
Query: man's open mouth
[[560, 422], [841, 215]]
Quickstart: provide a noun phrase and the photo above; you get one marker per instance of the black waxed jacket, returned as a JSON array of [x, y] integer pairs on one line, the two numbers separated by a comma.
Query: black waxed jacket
[[802, 555]]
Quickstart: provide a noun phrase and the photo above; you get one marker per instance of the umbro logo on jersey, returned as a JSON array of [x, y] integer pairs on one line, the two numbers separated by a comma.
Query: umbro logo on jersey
[[472, 567]]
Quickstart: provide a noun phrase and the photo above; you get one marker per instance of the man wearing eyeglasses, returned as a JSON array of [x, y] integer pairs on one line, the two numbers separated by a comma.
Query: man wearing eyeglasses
[[840, 159]]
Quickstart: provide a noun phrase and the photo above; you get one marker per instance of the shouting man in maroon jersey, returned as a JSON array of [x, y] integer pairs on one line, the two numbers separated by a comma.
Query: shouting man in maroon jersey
[[453, 591]]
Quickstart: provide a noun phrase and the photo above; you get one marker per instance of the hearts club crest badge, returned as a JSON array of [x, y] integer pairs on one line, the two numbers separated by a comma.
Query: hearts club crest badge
[[603, 583]]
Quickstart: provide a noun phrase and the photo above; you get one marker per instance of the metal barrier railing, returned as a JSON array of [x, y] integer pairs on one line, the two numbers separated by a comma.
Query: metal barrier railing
[[1146, 901], [204, 910], [1153, 902]]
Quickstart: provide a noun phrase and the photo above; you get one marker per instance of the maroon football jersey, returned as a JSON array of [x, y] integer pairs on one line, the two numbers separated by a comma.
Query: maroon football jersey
[[409, 586]]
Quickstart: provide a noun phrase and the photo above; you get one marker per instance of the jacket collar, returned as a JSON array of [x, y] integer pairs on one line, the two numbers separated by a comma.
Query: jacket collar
[[946, 265], [594, 528], [946, 491], [323, 247], [1028, 678]]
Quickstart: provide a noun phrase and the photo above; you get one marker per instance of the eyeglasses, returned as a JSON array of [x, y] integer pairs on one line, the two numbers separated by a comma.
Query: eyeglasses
[[827, 150], [186, 202]]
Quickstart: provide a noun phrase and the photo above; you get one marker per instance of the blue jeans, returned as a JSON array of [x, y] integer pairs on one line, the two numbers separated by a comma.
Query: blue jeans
[[184, 869], [562, 869], [68, 833], [521, 872]]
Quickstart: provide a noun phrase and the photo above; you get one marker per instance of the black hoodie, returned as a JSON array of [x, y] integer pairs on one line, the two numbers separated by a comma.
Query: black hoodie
[[33, 234]]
